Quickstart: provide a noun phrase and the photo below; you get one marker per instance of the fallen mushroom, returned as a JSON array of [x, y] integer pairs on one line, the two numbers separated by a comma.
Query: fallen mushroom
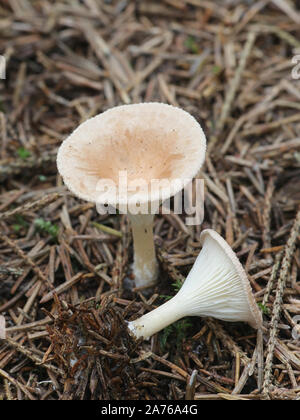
[[217, 286], [146, 142]]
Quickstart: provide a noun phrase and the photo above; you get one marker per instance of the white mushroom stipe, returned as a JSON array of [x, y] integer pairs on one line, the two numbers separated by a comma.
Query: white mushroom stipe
[[145, 265], [148, 142], [217, 286]]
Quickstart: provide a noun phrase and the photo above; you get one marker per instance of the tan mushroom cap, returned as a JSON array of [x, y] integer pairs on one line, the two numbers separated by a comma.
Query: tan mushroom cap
[[255, 317], [148, 141]]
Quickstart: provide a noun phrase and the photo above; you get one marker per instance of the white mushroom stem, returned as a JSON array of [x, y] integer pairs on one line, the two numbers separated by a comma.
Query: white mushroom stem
[[145, 266], [156, 320], [217, 286]]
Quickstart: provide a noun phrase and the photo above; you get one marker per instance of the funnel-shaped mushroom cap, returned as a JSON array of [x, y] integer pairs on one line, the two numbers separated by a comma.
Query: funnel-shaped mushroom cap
[[218, 286], [147, 141]]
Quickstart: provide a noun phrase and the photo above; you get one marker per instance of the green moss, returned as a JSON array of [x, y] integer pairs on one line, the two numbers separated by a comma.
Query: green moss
[[263, 308], [23, 153], [48, 227], [191, 45]]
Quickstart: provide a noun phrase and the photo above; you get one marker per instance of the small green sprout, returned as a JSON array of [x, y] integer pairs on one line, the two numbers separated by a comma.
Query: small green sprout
[[177, 286], [263, 308], [17, 228], [20, 223], [48, 227], [191, 45], [23, 153]]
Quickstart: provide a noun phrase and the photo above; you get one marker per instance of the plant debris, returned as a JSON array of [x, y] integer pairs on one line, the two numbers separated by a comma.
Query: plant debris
[[95, 350]]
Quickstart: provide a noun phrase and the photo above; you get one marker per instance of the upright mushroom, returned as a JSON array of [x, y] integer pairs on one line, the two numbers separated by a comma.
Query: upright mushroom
[[146, 142], [217, 286]]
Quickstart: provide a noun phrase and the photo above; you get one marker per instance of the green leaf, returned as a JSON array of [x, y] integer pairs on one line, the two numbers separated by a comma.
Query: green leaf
[[177, 285], [23, 153], [263, 308], [17, 228], [191, 45], [48, 227]]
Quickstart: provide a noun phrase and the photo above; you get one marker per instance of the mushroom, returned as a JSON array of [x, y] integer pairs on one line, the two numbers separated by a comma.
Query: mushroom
[[217, 286], [133, 158]]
